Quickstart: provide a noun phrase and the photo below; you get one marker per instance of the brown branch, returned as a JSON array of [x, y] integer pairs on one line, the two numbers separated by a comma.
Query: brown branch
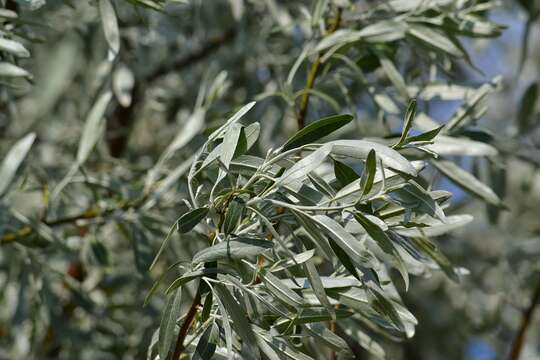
[[186, 325], [526, 320], [90, 213], [183, 62], [313, 73]]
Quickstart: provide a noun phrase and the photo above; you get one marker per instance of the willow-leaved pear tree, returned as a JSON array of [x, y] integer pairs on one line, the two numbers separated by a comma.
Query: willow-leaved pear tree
[[146, 212]]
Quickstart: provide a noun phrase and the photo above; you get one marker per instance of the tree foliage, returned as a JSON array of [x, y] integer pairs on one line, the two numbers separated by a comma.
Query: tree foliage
[[236, 179]]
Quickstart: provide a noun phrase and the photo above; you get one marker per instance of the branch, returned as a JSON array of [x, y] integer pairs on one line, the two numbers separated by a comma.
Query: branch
[[90, 213], [188, 320], [183, 62], [525, 322], [314, 71]]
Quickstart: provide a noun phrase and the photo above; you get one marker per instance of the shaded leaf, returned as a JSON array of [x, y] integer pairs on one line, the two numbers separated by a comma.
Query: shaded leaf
[[190, 219], [317, 130], [168, 323], [238, 248]]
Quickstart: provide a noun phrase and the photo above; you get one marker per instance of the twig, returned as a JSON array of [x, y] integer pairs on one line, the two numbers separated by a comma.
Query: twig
[[183, 62], [90, 213], [313, 72], [526, 320], [186, 325]]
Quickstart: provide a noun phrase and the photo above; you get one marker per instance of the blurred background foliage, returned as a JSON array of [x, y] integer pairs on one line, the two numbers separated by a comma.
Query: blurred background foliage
[[80, 228]]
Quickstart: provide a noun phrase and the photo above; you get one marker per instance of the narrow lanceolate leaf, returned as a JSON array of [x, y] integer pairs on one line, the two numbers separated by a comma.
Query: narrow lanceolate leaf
[[238, 248], [426, 136], [233, 119], [13, 160], [233, 216], [359, 149], [527, 106], [377, 234], [351, 245], [317, 130], [302, 168], [168, 323], [414, 197], [393, 75], [207, 343], [280, 290], [93, 127], [110, 27], [435, 39], [192, 275], [322, 334], [9, 70], [427, 247], [436, 229], [450, 145], [226, 325], [407, 125], [240, 322], [344, 173], [190, 219], [13, 47], [318, 287], [368, 176], [230, 142], [467, 181]]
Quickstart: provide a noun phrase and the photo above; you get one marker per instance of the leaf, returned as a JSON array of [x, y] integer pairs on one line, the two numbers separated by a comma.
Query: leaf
[[230, 142], [426, 136], [344, 173], [13, 47], [393, 75], [207, 343], [423, 243], [233, 119], [168, 323], [359, 149], [233, 216], [304, 166], [93, 127], [295, 260], [352, 246], [190, 219], [280, 290], [318, 287], [385, 243], [408, 123], [434, 39], [413, 196], [240, 322], [436, 228], [226, 325], [238, 248], [326, 282], [368, 175], [450, 146], [13, 160], [142, 248], [192, 275], [13, 71], [527, 107], [164, 244], [322, 334], [317, 130], [467, 182], [110, 27]]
